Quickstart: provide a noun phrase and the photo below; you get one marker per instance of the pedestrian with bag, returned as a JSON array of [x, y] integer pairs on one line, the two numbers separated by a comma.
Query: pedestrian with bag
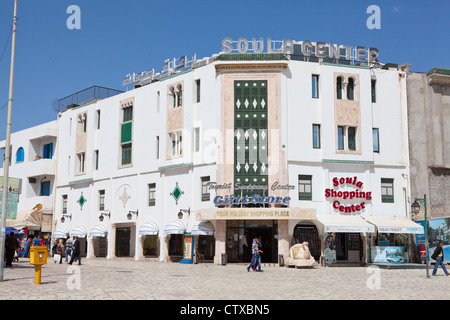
[[60, 250], [76, 254], [69, 246], [256, 257], [438, 255]]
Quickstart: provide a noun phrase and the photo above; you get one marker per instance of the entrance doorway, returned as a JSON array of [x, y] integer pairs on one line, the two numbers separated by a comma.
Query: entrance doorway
[[123, 236], [349, 247], [237, 230], [308, 233]]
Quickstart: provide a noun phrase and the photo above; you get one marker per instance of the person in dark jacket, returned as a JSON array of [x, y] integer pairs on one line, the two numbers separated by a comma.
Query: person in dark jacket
[[76, 253], [11, 245], [438, 255]]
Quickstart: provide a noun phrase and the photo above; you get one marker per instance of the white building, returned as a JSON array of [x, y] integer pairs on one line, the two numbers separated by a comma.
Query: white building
[[320, 143]]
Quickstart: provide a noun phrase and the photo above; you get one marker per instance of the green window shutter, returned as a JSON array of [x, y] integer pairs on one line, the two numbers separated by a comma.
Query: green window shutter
[[126, 132]]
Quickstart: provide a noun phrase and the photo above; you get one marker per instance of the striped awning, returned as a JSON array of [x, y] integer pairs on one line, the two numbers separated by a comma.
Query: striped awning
[[203, 228], [148, 229], [175, 227], [345, 224], [98, 231], [395, 224], [61, 233], [79, 232]]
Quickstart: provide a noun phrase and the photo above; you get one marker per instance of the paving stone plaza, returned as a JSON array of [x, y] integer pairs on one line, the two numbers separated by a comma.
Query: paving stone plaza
[[101, 279]]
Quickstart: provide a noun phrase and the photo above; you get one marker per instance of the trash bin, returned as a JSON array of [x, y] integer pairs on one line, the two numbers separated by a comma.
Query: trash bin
[[224, 259], [194, 258], [281, 260]]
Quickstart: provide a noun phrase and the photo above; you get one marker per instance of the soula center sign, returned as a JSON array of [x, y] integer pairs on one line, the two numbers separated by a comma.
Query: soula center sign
[[343, 199]]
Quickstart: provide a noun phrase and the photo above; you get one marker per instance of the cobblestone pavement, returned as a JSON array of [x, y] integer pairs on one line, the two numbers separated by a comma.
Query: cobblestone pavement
[[102, 279]]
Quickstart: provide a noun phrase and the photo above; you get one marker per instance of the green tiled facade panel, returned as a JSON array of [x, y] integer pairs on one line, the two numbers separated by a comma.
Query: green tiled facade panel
[[126, 132]]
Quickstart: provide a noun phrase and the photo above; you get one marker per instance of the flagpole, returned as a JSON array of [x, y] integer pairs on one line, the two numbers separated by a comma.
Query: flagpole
[[7, 149]]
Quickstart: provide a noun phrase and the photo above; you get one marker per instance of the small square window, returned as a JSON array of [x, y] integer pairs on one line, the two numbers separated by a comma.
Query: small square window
[[304, 187], [387, 190]]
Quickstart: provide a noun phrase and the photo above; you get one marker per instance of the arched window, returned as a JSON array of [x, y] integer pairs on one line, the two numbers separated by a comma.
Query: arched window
[[20, 155], [339, 88], [351, 89], [172, 97]]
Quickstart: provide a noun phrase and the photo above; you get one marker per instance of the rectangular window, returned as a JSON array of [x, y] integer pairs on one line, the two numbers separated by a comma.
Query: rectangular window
[[176, 143], [81, 157], [351, 132], [157, 147], [304, 187], [376, 140], [48, 151], [197, 87], [126, 153], [98, 119], [128, 114], [45, 189], [96, 159], [196, 139], [101, 200], [158, 101], [387, 190], [206, 196], [340, 137], [152, 194], [316, 136], [64, 204], [374, 91], [315, 86]]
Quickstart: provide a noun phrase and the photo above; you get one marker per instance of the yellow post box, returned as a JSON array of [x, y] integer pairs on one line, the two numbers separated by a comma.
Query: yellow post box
[[38, 257]]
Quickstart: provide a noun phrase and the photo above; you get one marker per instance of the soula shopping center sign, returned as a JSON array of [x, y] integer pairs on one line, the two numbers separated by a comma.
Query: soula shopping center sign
[[348, 202]]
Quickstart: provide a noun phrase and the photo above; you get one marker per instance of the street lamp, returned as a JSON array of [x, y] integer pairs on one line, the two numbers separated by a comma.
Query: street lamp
[[104, 214], [180, 214], [415, 208], [130, 214], [63, 219]]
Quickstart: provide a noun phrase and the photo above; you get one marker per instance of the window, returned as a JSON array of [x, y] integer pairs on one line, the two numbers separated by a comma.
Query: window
[[98, 119], [96, 159], [351, 89], [158, 101], [48, 151], [340, 138], [315, 86], [374, 91], [387, 190], [126, 154], [20, 155], [180, 96], [157, 147], [101, 200], [197, 89], [206, 196], [351, 131], [152, 194], [339, 88], [81, 158], [82, 123], [376, 140], [127, 114], [304, 187], [64, 204], [316, 136], [176, 143], [196, 139], [45, 189]]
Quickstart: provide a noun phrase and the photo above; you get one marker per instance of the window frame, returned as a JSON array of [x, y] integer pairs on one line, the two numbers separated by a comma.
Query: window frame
[[101, 200], [377, 130], [303, 195], [151, 187], [315, 86], [385, 197], [318, 138], [206, 190]]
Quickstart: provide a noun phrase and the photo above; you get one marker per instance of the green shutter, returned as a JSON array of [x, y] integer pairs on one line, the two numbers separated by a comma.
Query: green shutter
[[126, 132]]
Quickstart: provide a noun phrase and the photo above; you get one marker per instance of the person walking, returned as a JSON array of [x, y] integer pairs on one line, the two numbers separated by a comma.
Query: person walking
[[255, 251], [76, 254], [438, 255], [36, 241], [69, 246], [60, 250], [11, 244]]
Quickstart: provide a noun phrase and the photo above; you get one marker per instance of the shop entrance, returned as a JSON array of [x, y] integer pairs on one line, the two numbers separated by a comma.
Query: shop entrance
[[348, 247], [123, 236], [237, 230]]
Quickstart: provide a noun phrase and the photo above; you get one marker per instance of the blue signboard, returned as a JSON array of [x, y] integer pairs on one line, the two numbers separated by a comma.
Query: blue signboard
[[438, 229]]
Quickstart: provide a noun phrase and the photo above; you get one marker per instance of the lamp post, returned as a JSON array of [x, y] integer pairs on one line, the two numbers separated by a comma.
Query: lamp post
[[415, 208]]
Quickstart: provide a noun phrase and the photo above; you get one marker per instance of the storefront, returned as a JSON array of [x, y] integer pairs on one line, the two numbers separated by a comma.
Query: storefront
[[148, 234], [174, 236], [204, 241], [99, 241]]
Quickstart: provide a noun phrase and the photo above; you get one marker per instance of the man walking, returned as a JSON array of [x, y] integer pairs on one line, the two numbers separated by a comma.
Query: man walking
[[256, 258], [69, 245], [76, 254], [11, 244], [438, 255]]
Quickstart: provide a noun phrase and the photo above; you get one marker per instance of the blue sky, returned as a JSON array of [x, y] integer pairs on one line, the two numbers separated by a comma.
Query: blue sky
[[119, 37]]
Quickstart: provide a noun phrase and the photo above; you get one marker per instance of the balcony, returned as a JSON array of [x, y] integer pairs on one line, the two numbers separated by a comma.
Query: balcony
[[39, 167]]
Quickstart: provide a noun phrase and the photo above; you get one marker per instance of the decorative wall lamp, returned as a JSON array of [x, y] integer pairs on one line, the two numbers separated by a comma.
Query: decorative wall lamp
[[182, 211], [130, 214], [104, 214], [63, 219]]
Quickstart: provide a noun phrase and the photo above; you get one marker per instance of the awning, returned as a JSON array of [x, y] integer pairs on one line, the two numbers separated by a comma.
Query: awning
[[395, 224], [31, 219], [61, 233], [148, 229], [346, 224], [175, 227], [79, 232], [203, 228], [98, 231]]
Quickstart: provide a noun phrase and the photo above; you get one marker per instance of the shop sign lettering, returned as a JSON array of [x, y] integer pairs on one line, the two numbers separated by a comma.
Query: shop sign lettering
[[347, 196]]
